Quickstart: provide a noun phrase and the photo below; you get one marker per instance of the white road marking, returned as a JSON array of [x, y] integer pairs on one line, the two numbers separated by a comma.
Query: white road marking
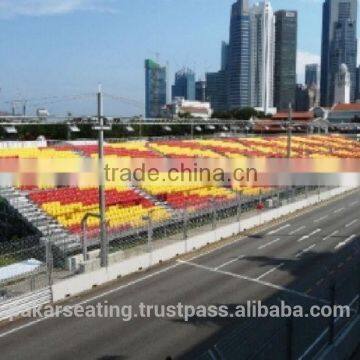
[[300, 253], [305, 237], [230, 262], [268, 244], [331, 235], [321, 219], [354, 203], [345, 242], [297, 230], [260, 282], [270, 271], [94, 298], [278, 229], [351, 223], [339, 210], [34, 322]]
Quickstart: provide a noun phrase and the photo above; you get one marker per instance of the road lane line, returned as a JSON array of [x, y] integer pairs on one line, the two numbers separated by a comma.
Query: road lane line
[[331, 235], [270, 271], [339, 210], [94, 298], [305, 237], [302, 252], [278, 229], [345, 242], [139, 280], [321, 219], [351, 223], [230, 262], [297, 230], [269, 244], [354, 203], [260, 282]]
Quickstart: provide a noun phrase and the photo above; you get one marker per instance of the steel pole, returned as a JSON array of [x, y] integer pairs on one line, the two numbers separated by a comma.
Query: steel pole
[[102, 201]]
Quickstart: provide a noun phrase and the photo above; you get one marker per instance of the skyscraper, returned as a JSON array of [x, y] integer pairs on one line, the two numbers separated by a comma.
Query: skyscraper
[[216, 90], [302, 99], [262, 50], [285, 58], [224, 55], [357, 91], [312, 75], [339, 46], [184, 85], [200, 91], [238, 72], [155, 88]]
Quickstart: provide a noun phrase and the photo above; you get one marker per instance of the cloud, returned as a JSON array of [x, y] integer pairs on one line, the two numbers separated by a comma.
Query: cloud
[[305, 58], [11, 8]]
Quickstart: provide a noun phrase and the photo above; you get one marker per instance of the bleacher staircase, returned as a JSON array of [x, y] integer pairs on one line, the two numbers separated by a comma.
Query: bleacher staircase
[[47, 226]]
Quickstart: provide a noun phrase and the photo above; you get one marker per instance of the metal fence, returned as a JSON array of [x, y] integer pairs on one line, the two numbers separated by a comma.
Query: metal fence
[[57, 261], [190, 221], [294, 337]]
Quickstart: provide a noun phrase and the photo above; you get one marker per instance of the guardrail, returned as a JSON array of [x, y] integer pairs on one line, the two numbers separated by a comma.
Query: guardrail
[[16, 306]]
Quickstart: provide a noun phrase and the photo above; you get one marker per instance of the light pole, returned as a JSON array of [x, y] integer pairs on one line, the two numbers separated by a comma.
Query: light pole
[[104, 245]]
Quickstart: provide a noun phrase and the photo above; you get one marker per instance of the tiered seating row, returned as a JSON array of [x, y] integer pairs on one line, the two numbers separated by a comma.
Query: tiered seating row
[[124, 207]]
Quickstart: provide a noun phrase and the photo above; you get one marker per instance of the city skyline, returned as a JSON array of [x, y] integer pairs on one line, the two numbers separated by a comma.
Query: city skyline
[[339, 46], [45, 35]]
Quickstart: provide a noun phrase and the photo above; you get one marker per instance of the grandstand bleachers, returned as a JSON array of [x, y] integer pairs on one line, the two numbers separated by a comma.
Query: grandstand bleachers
[[126, 206]]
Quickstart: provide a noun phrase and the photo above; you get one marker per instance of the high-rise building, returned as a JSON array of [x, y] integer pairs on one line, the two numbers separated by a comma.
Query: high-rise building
[[238, 71], [216, 90], [312, 75], [155, 88], [357, 91], [200, 91], [224, 55], [302, 100], [184, 85], [285, 58], [262, 50], [339, 46]]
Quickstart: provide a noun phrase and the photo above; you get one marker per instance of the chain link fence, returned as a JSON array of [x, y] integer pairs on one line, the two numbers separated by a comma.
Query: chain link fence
[[39, 262], [294, 337]]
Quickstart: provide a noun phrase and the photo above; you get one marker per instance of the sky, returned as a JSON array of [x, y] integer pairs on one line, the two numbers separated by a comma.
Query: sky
[[58, 48]]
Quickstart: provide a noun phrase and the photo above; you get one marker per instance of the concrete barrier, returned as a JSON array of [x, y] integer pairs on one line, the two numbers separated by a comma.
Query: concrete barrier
[[87, 281]]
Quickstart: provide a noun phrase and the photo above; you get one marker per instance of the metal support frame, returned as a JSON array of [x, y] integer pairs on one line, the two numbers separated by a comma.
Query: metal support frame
[[83, 237], [49, 261], [150, 231], [332, 318], [214, 213], [185, 223], [290, 338]]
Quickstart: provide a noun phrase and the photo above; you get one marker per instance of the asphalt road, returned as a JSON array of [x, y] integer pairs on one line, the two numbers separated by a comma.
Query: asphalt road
[[296, 260]]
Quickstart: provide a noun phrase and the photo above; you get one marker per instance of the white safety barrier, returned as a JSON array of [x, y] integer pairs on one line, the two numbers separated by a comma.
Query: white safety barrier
[[87, 281], [22, 144], [15, 306]]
